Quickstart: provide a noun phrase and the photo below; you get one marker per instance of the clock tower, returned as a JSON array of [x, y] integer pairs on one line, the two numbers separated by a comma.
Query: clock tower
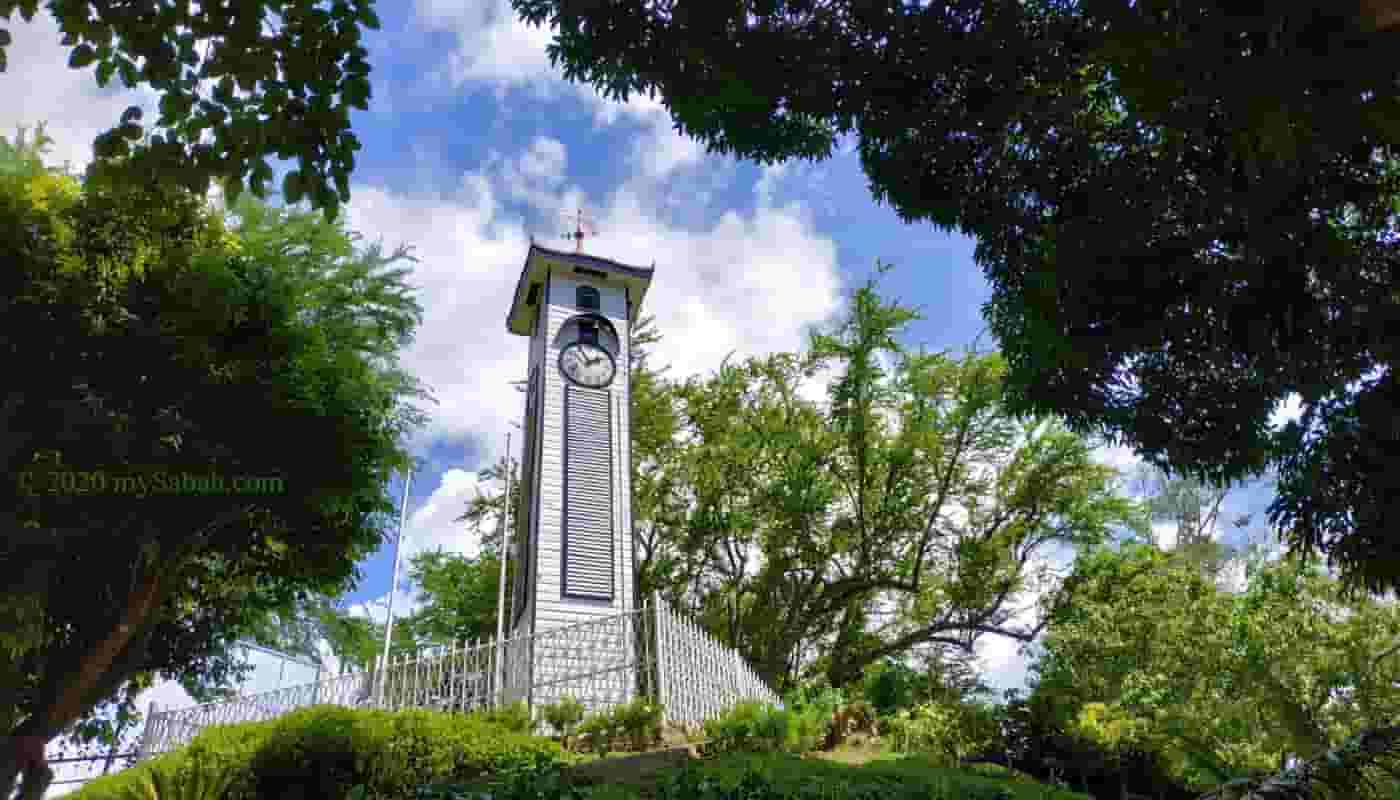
[[573, 542]]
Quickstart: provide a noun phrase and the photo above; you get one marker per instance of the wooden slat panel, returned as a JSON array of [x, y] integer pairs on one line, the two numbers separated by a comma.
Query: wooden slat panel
[[588, 502]]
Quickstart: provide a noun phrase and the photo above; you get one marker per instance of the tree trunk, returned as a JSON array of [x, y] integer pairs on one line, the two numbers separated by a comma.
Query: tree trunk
[[36, 781], [68, 705], [24, 757], [72, 697], [1381, 14]]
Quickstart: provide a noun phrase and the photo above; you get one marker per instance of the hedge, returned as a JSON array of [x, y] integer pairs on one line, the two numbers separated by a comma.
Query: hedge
[[322, 752], [777, 776]]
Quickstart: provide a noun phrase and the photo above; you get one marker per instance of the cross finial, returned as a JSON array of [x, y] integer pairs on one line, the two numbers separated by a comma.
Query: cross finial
[[583, 226]]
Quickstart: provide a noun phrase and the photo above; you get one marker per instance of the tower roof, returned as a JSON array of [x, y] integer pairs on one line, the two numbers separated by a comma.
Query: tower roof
[[540, 262]]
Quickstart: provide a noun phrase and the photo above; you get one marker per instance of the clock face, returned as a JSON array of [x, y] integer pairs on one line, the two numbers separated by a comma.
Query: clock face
[[587, 365]]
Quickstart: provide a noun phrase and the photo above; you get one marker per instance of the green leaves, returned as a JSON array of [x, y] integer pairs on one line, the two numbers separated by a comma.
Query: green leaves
[[214, 317], [1201, 139], [355, 92], [1152, 655], [292, 73], [82, 56], [788, 522], [292, 187]]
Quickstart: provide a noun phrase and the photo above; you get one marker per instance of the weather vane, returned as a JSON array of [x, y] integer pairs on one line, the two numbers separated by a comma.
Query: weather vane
[[582, 227]]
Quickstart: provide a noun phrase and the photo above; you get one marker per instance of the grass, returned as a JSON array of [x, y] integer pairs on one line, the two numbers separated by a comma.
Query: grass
[[792, 772], [849, 766]]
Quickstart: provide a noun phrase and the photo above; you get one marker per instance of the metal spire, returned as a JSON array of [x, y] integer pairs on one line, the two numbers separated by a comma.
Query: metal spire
[[583, 226]]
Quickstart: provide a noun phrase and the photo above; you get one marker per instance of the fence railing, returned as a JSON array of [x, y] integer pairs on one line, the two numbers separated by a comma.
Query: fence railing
[[698, 676], [651, 652]]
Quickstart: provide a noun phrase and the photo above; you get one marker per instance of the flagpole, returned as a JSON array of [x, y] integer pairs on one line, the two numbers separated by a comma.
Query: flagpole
[[394, 583], [501, 590]]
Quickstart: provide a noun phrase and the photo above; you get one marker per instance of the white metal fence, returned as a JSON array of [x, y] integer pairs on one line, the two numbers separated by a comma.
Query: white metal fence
[[697, 676], [651, 652]]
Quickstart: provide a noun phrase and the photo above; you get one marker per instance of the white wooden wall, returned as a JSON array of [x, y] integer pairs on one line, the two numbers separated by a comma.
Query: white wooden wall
[[552, 609]]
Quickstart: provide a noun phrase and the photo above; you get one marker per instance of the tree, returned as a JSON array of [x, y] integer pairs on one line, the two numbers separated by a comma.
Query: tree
[[657, 476], [485, 515], [1244, 162], [356, 642], [162, 344], [1144, 651], [458, 596], [237, 84], [902, 514], [1193, 507]]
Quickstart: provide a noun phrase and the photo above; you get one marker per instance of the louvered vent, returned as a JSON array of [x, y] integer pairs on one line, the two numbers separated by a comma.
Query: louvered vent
[[588, 501]]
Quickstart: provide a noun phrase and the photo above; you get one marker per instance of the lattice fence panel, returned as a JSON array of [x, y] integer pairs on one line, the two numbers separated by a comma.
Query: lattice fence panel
[[596, 662], [699, 677], [653, 652]]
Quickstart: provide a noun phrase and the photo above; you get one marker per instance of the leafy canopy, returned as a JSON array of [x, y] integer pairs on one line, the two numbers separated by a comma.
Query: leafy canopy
[[1146, 652], [159, 339], [238, 83], [897, 516], [1186, 212]]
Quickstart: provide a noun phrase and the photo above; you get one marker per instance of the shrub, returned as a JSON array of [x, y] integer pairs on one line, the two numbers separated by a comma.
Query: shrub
[[187, 780], [753, 727], [563, 716], [598, 733], [946, 732], [640, 722], [228, 746], [515, 717], [808, 730], [325, 751], [891, 686], [812, 698], [855, 717], [635, 725]]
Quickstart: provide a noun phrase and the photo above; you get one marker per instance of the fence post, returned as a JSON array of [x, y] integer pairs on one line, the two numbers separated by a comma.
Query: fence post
[[141, 749], [659, 649]]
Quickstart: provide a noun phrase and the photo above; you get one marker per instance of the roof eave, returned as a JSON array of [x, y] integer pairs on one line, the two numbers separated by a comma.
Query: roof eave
[[521, 318]]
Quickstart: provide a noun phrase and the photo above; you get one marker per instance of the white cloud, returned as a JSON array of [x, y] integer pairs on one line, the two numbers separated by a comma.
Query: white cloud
[[496, 50], [494, 46], [768, 180], [39, 86], [544, 161], [430, 526], [1119, 457], [749, 284], [1164, 534]]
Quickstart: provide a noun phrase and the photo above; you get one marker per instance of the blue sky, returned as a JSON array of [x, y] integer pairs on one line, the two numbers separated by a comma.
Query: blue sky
[[473, 143]]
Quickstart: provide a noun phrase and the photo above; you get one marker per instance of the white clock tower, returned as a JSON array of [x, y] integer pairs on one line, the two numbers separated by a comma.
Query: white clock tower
[[574, 545]]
